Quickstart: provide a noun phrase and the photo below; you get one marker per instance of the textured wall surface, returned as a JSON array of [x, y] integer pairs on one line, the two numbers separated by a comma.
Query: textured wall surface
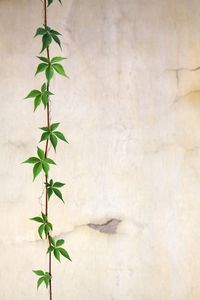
[[131, 111]]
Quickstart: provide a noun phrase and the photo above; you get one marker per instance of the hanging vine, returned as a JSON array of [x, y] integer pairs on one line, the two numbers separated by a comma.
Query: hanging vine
[[50, 135]]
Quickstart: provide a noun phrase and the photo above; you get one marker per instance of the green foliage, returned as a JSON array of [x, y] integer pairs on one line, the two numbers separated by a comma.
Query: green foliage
[[50, 133], [57, 250], [51, 1], [44, 277], [50, 66], [40, 96], [48, 35], [53, 188], [45, 227], [40, 163]]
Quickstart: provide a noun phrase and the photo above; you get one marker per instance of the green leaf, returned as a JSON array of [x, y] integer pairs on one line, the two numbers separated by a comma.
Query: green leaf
[[44, 59], [47, 228], [46, 280], [40, 230], [44, 217], [44, 87], [58, 193], [54, 32], [64, 253], [56, 254], [41, 67], [61, 136], [52, 241], [54, 126], [59, 243], [40, 31], [44, 128], [53, 140], [49, 192], [59, 69], [46, 41], [50, 249], [38, 272], [45, 167], [49, 72], [58, 184], [56, 39], [32, 160], [49, 2], [39, 282], [37, 219], [37, 102], [33, 94], [57, 59], [36, 170], [50, 161], [44, 136], [40, 153], [44, 100]]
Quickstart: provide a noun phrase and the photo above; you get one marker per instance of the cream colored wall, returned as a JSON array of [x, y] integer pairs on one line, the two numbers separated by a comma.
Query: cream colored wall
[[131, 111]]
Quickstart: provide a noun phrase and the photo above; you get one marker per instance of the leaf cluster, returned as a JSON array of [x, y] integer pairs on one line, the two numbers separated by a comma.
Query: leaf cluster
[[41, 96], [40, 163], [50, 133], [45, 277], [48, 35], [57, 250], [53, 188], [45, 227], [49, 66]]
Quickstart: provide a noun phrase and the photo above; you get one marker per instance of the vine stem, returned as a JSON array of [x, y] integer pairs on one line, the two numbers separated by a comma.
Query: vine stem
[[46, 152]]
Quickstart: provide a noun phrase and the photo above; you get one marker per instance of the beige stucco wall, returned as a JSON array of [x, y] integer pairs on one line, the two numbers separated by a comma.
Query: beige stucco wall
[[131, 111]]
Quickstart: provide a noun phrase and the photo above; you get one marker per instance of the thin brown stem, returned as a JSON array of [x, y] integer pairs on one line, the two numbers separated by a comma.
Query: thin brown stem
[[46, 153]]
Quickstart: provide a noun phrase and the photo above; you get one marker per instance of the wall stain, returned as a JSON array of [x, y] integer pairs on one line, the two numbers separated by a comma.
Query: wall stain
[[110, 227]]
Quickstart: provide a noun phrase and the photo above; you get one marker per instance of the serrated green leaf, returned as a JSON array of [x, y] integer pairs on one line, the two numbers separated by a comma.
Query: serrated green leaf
[[49, 72], [44, 100], [59, 69], [39, 282], [40, 153], [38, 272], [33, 94], [37, 102], [36, 170], [49, 192], [44, 128], [58, 184], [45, 167], [37, 219], [31, 160], [40, 230], [46, 281], [40, 31], [43, 88], [57, 193], [57, 59], [52, 241], [56, 39], [41, 67], [44, 59], [44, 136], [59, 243], [61, 136], [46, 41], [50, 249], [54, 126], [55, 32], [50, 161], [64, 253], [54, 140], [56, 254]]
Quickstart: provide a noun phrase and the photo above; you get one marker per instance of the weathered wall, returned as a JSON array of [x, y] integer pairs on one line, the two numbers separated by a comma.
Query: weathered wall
[[131, 111]]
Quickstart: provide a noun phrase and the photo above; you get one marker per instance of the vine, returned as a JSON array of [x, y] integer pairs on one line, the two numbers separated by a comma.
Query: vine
[[50, 135]]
